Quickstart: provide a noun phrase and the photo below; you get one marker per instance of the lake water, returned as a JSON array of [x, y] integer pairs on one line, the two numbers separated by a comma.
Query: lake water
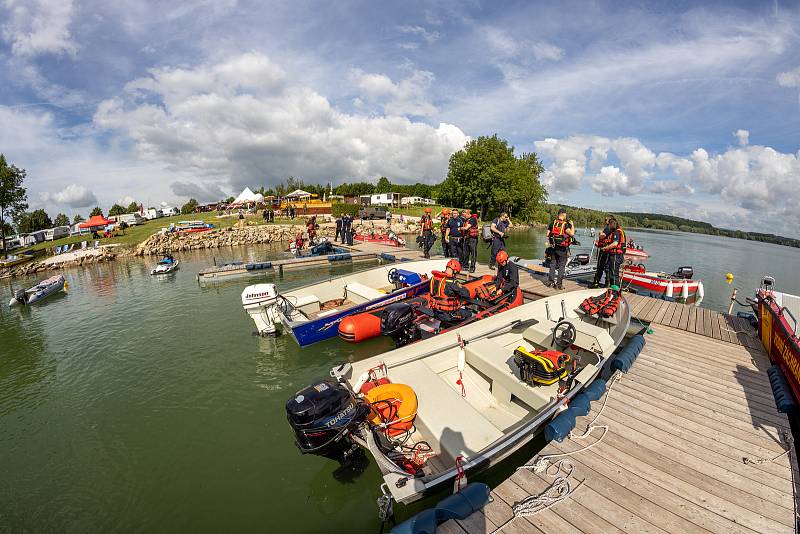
[[137, 403]]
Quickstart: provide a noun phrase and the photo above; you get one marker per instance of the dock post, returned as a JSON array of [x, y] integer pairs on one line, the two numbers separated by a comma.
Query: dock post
[[733, 301]]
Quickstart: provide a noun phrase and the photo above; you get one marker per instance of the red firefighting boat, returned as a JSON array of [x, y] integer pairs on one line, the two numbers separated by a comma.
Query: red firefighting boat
[[634, 251], [678, 284], [390, 239], [414, 319]]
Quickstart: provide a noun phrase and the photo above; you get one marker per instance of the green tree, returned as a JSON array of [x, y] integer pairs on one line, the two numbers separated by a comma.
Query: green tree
[[133, 207], [229, 200], [384, 185], [13, 197], [115, 210], [487, 176], [189, 207], [61, 220], [34, 221], [77, 219], [96, 211]]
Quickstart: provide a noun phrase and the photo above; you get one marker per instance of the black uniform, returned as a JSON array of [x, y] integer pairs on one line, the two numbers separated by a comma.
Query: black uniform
[[498, 243], [602, 256], [614, 260], [338, 228], [560, 256], [427, 235], [455, 224], [346, 222], [471, 245], [507, 277]]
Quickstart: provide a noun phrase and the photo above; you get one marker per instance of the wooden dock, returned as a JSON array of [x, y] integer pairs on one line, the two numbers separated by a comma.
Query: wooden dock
[[681, 423]]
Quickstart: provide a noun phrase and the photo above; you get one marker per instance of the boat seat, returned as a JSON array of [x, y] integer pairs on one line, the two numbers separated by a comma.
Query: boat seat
[[460, 429], [306, 304], [587, 336], [359, 293], [497, 363]]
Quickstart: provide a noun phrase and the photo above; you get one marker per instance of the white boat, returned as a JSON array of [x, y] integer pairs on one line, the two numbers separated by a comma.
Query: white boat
[[581, 265], [470, 404], [165, 266], [40, 291], [312, 313]]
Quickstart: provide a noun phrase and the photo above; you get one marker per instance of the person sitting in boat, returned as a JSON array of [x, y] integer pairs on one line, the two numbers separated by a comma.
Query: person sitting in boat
[[446, 293], [168, 258], [298, 241], [507, 278]]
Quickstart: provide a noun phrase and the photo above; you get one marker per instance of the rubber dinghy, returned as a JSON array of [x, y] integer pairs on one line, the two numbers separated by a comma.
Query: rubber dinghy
[[166, 265], [462, 401], [312, 313], [414, 319], [40, 291], [679, 284]]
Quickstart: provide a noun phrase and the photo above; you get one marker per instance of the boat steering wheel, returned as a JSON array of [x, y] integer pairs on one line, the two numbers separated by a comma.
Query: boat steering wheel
[[392, 274], [283, 305], [564, 334]]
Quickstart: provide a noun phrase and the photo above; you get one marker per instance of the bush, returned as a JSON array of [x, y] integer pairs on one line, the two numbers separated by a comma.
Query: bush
[[340, 209]]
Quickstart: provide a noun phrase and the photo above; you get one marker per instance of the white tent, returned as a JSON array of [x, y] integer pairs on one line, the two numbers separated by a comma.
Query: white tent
[[298, 193], [247, 197]]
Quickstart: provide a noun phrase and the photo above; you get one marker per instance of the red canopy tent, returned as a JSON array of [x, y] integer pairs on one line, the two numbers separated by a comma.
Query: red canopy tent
[[97, 221]]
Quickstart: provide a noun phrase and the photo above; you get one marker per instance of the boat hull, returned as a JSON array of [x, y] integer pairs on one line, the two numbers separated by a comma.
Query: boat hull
[[382, 240], [778, 335], [659, 285], [636, 254]]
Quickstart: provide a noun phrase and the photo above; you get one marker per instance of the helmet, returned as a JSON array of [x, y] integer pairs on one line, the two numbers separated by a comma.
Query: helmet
[[455, 265], [502, 257], [427, 210], [446, 211]]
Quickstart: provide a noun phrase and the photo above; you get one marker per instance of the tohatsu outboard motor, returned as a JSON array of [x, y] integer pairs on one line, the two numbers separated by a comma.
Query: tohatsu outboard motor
[[20, 296], [685, 272], [323, 417], [397, 322], [582, 258]]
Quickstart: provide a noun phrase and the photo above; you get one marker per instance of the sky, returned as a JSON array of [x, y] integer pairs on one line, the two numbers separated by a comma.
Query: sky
[[683, 108]]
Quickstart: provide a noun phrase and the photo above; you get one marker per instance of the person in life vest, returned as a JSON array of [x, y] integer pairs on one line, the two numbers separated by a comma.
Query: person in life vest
[[311, 229], [616, 252], [426, 231], [559, 235], [446, 291], [453, 234], [507, 278], [499, 230], [602, 256], [471, 232], [298, 243], [444, 218]]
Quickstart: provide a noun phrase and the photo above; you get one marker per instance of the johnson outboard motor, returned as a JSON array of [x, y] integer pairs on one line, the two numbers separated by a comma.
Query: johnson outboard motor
[[397, 322], [685, 272], [323, 417], [582, 258]]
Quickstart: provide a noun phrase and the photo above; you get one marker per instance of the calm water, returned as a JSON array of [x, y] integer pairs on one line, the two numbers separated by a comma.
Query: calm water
[[137, 403]]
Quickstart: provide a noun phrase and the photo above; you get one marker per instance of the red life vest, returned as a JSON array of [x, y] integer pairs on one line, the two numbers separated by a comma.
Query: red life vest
[[620, 247], [427, 223], [473, 227], [439, 300], [443, 220], [558, 234]]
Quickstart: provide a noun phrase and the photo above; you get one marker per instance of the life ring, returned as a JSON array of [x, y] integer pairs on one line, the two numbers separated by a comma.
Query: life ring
[[394, 408]]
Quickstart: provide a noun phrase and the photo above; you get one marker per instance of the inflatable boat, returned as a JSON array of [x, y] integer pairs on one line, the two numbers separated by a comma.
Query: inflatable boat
[[312, 313], [679, 284], [40, 291], [389, 239], [462, 401], [167, 265], [414, 319]]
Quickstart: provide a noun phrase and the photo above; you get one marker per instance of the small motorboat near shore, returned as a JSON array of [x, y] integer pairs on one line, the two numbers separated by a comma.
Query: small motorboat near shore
[[390, 239], [191, 226], [635, 252], [166, 265], [462, 401], [313, 312], [322, 248], [40, 291], [16, 259], [679, 284], [580, 265]]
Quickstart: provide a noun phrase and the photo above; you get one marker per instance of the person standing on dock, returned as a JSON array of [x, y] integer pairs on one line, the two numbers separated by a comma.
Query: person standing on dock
[[426, 231], [616, 252], [602, 256], [470, 232], [454, 234], [338, 228], [559, 234], [499, 230], [444, 217]]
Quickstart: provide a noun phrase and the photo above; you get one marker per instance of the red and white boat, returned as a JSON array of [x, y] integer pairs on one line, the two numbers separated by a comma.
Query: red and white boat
[[679, 284], [389, 239], [634, 251]]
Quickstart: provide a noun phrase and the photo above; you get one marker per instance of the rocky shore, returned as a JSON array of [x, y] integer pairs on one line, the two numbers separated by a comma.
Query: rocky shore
[[78, 259]]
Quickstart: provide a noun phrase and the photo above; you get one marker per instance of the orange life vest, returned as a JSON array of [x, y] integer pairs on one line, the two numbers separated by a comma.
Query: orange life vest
[[558, 235], [427, 223], [621, 246], [439, 300], [473, 228]]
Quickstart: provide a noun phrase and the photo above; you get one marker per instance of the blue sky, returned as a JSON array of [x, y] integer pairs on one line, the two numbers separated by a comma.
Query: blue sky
[[674, 107]]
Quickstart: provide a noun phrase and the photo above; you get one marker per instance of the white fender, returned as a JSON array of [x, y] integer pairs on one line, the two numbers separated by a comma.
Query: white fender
[[360, 382], [701, 292], [462, 359], [685, 290], [668, 292]]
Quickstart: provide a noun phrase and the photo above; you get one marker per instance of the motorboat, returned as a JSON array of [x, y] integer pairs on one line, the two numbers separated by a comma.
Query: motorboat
[[679, 284], [777, 313], [40, 291], [462, 401], [192, 226], [391, 239], [415, 318], [635, 252], [166, 265], [312, 313], [16, 259], [581, 265], [322, 248]]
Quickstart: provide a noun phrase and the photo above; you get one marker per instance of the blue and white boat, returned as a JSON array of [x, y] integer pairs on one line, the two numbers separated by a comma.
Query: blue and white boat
[[312, 313], [167, 265], [40, 291]]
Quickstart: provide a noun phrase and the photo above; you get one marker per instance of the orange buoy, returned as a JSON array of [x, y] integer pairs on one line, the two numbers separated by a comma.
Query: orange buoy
[[394, 407], [357, 328]]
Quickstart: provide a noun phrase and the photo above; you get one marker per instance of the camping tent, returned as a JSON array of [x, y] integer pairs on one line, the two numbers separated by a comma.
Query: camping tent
[[298, 193], [95, 222], [247, 197]]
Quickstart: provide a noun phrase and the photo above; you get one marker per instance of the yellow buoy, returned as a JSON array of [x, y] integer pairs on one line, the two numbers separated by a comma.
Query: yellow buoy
[[729, 277]]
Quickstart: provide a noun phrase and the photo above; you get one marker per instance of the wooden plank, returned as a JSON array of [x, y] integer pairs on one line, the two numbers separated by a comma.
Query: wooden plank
[[703, 344], [715, 331], [699, 322], [662, 310], [707, 322], [684, 323], [647, 308], [450, 527], [653, 312]]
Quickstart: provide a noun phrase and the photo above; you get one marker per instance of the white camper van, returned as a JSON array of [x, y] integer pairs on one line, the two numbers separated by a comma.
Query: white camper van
[[51, 234]]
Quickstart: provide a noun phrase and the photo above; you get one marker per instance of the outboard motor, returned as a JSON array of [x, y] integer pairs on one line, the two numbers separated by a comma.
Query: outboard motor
[[582, 259], [685, 272], [397, 322], [261, 303], [323, 417], [20, 296]]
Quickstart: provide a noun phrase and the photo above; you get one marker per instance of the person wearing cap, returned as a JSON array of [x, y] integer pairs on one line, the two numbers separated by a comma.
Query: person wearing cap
[[471, 232], [559, 234], [453, 234], [499, 229], [507, 278], [426, 231]]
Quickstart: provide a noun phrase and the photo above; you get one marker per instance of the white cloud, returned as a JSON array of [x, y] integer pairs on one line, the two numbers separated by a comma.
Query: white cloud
[[790, 78], [406, 97], [428, 36], [209, 192], [213, 123], [39, 26], [743, 136], [549, 51], [126, 201], [507, 46], [612, 181], [74, 196]]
